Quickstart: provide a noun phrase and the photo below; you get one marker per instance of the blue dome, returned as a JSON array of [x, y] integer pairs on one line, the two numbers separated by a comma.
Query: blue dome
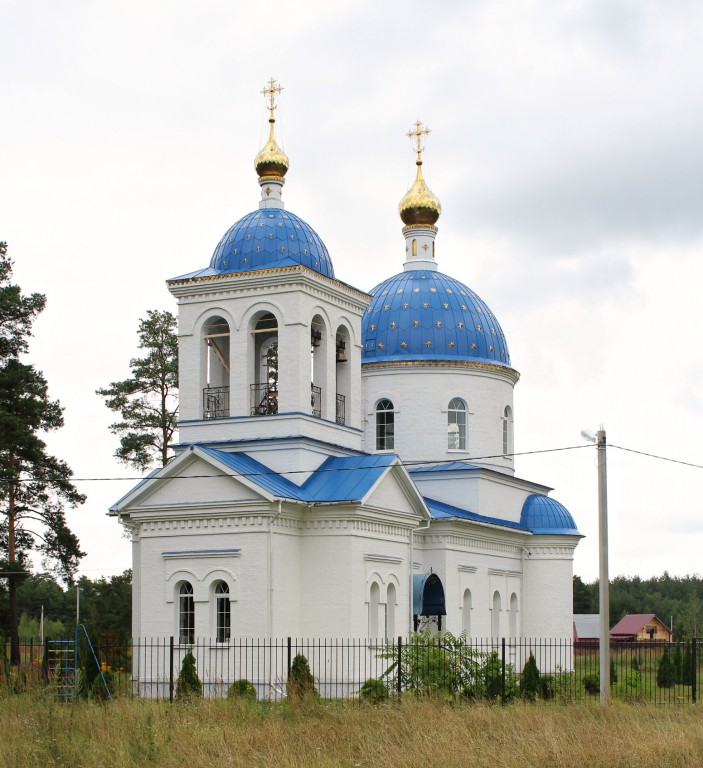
[[270, 238], [426, 315], [540, 514]]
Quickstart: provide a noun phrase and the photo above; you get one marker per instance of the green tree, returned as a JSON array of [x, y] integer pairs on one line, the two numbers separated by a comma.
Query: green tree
[[148, 400], [34, 486], [530, 679], [666, 674], [188, 685], [583, 598]]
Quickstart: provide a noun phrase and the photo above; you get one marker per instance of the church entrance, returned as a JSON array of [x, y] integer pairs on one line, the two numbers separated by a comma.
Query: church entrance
[[429, 604]]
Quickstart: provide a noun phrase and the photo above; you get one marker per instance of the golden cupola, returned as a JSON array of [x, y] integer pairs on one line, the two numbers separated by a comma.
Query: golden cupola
[[272, 161], [420, 207]]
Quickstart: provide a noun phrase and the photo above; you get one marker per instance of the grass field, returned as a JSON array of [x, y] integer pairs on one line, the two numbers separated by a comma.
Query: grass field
[[38, 731]]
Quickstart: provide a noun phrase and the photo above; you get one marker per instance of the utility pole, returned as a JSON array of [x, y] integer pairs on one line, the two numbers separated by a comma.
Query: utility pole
[[603, 584]]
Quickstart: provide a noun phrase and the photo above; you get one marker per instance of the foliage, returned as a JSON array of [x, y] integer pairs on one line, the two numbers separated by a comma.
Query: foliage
[[97, 689], [678, 664], [666, 673], [148, 400], [635, 665], [35, 486], [374, 691], [242, 689], [687, 671], [530, 679], [632, 687], [300, 684], [188, 685]]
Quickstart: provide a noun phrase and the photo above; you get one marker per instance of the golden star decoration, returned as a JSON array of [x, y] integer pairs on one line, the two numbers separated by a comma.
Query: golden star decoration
[[428, 343], [403, 344]]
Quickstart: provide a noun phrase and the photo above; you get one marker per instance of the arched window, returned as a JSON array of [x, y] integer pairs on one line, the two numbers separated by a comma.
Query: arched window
[[186, 614], [390, 610], [414, 251], [216, 379], [507, 431], [456, 425], [374, 602], [264, 390], [495, 615], [513, 616], [466, 613], [385, 426], [223, 616]]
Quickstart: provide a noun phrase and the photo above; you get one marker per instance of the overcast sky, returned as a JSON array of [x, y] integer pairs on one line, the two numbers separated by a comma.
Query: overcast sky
[[566, 148]]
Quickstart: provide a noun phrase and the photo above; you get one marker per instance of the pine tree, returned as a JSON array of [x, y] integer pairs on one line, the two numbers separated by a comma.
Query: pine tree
[[34, 486], [529, 681], [188, 685], [147, 401]]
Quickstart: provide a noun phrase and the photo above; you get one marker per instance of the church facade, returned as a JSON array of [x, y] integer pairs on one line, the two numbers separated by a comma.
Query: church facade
[[345, 458]]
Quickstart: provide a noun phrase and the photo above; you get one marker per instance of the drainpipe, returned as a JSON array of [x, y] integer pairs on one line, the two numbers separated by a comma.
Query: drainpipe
[[270, 564], [411, 570]]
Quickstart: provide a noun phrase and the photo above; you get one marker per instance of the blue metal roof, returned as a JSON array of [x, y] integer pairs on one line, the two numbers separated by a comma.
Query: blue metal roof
[[445, 466], [426, 315], [258, 473], [542, 514], [338, 478], [439, 509], [346, 478], [268, 238]]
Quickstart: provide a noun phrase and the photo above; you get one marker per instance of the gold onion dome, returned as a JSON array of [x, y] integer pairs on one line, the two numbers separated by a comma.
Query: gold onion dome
[[272, 161], [419, 206]]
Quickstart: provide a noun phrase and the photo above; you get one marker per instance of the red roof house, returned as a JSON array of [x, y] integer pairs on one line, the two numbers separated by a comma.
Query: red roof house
[[640, 627]]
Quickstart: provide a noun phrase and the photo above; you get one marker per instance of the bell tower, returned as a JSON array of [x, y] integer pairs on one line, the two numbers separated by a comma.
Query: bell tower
[[269, 339]]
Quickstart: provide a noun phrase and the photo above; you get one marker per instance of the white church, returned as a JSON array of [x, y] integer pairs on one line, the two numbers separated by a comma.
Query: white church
[[345, 462]]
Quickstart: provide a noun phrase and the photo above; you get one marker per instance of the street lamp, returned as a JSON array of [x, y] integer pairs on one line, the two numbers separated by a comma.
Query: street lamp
[[603, 585]]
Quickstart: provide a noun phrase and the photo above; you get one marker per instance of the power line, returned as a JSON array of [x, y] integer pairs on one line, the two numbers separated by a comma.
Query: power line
[[655, 456]]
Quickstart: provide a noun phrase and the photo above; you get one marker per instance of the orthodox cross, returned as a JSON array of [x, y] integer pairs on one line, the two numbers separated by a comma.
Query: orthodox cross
[[269, 92], [417, 135]]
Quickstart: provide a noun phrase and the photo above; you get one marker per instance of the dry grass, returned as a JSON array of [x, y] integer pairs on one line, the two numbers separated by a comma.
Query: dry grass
[[36, 731]]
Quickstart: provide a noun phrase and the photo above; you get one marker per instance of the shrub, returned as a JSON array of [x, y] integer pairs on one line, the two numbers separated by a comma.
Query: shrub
[[632, 687], [530, 680], [591, 684], [301, 683], [666, 674], [242, 689], [374, 691], [687, 666], [635, 664], [188, 685], [98, 688], [678, 664]]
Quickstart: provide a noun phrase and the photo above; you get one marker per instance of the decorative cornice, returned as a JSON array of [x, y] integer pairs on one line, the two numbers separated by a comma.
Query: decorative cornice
[[467, 568], [201, 553], [383, 559], [503, 370], [503, 572]]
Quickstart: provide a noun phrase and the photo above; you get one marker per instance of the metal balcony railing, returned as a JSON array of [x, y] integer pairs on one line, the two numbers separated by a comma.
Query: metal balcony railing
[[264, 399], [339, 412], [316, 401], [215, 402]]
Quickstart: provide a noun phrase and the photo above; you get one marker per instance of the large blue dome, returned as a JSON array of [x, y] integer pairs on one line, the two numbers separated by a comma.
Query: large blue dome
[[268, 238], [426, 315], [541, 514]]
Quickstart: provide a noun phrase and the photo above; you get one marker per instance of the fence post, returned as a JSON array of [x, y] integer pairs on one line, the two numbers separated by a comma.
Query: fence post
[[45, 665], [170, 672], [502, 677], [398, 681], [694, 670], [290, 658]]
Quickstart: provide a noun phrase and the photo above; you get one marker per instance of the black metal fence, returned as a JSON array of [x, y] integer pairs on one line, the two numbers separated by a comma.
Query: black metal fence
[[553, 670]]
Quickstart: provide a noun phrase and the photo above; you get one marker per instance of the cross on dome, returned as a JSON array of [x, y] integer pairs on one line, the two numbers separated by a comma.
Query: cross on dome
[[269, 93], [417, 134]]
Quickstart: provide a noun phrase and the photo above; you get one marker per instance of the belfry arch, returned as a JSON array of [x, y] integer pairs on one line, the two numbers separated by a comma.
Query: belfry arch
[[215, 373]]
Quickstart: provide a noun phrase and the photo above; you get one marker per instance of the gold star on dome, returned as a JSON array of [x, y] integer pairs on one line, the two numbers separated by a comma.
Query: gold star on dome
[[428, 343], [249, 236], [292, 237], [460, 325], [400, 290], [438, 323], [383, 293], [373, 327], [433, 290], [403, 344], [445, 305], [283, 250], [380, 345], [473, 345], [490, 348], [425, 304], [386, 306], [394, 324], [463, 293], [258, 248], [478, 309], [416, 290], [405, 305], [449, 290], [451, 343], [270, 235], [493, 331], [464, 307], [416, 323], [478, 327], [305, 251], [246, 261], [236, 251]]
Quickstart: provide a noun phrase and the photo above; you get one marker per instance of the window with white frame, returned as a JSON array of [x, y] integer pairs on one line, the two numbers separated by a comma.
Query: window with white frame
[[223, 615], [507, 431], [186, 613], [374, 603], [390, 610], [495, 615], [466, 613], [385, 425], [456, 425]]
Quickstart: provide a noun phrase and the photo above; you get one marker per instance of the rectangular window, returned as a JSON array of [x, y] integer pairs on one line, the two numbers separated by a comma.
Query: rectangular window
[[223, 619]]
